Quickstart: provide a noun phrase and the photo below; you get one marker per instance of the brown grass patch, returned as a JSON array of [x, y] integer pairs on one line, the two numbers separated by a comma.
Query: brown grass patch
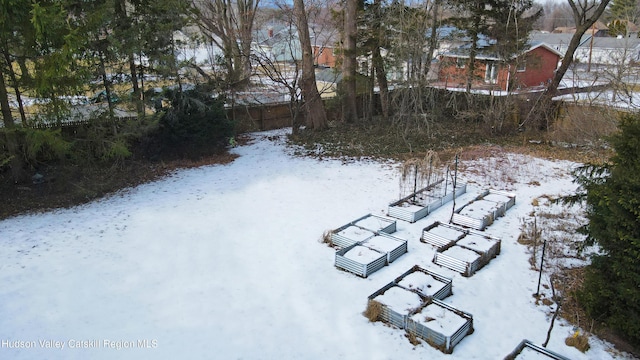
[[578, 341], [326, 238], [373, 311], [413, 339]]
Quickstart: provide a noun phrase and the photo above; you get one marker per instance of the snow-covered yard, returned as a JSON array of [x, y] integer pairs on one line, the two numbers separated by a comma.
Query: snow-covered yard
[[225, 262]]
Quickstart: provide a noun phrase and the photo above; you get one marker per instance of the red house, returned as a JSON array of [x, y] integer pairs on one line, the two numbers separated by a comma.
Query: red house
[[535, 67], [324, 56]]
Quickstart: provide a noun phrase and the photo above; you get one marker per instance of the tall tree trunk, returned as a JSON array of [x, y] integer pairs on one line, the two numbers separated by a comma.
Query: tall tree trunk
[[313, 105], [383, 84], [107, 90], [378, 63], [471, 66], [137, 92], [349, 104], [433, 40], [17, 164], [16, 86]]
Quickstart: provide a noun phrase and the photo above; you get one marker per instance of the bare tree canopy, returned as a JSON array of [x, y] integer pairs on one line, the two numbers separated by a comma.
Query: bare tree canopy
[[229, 25]]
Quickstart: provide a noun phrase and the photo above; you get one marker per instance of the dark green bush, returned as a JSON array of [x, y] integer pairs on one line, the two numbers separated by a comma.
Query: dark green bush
[[611, 290], [194, 124]]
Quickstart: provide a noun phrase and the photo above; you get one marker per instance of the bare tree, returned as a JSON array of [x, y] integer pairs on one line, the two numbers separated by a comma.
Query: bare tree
[[314, 107], [554, 15], [585, 14], [229, 25], [349, 103]]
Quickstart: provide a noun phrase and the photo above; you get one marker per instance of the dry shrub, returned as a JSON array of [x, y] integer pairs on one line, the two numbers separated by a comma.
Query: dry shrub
[[578, 341], [580, 125], [535, 202], [416, 173], [373, 311], [569, 283], [326, 238]]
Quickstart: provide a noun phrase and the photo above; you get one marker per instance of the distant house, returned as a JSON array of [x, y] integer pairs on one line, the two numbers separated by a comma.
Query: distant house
[[535, 67], [277, 43], [324, 46], [597, 50], [598, 29]]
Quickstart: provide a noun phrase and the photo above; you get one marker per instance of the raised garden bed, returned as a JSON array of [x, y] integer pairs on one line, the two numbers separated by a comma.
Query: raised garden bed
[[361, 229], [394, 304], [527, 350], [484, 209], [442, 236], [424, 201], [488, 247], [426, 283], [440, 325], [360, 260], [349, 234], [392, 246], [459, 259], [376, 223], [477, 214], [506, 198]]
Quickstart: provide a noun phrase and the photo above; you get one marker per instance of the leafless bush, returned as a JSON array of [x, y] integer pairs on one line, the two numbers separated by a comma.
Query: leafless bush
[[373, 311], [326, 238], [581, 125]]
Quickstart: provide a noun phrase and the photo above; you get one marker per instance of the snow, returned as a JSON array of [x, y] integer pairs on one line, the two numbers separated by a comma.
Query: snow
[[498, 198], [182, 264], [355, 233], [483, 207], [374, 223], [446, 232], [382, 244], [530, 354], [477, 243], [439, 319], [463, 254], [399, 300], [424, 283], [362, 254]]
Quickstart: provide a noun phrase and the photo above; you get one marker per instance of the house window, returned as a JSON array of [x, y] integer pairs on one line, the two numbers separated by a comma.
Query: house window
[[460, 63], [491, 73], [521, 66]]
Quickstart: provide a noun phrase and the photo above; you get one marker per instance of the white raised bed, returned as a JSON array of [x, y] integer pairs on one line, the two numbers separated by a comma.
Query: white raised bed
[[484, 209], [360, 260], [477, 214], [427, 283], [487, 246], [376, 223], [442, 236], [362, 229], [441, 325], [392, 246], [424, 201], [527, 350], [397, 303], [349, 234], [459, 259]]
